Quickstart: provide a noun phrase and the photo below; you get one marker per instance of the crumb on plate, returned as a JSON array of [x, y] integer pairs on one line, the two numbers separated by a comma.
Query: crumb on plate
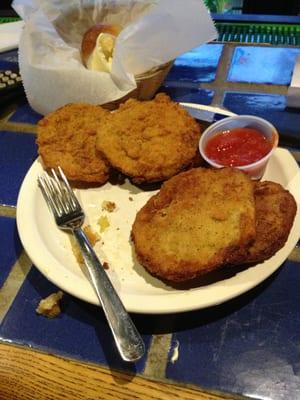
[[105, 265], [93, 238], [109, 206], [103, 222]]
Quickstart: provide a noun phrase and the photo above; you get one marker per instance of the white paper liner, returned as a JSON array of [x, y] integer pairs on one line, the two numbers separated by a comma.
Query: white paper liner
[[155, 32]]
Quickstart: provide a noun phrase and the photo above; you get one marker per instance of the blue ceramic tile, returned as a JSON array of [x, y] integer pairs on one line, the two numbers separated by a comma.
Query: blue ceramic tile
[[18, 151], [25, 114], [249, 346], [263, 65], [187, 94], [79, 332], [269, 106], [197, 65], [9, 59], [10, 247]]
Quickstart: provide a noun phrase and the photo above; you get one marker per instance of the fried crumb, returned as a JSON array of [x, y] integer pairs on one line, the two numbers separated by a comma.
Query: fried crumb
[[130, 198], [109, 206], [93, 238], [50, 306], [103, 222], [105, 265]]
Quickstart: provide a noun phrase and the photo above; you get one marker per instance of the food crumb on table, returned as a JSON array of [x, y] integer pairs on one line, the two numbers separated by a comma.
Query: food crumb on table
[[50, 306], [175, 354]]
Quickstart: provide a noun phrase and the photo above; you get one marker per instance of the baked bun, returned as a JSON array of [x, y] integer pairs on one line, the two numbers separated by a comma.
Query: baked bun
[[90, 37]]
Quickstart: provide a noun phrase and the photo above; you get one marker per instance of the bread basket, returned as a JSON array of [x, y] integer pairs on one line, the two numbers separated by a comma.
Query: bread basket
[[147, 83], [49, 49]]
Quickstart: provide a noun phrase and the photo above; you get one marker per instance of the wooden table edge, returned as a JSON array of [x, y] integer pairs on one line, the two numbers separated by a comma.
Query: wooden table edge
[[26, 374]]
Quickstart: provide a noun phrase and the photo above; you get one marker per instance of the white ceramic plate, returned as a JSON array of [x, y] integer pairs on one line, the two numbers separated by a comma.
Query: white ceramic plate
[[50, 249]]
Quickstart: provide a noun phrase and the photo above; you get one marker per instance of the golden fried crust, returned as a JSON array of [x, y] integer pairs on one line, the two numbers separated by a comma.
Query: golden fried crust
[[275, 212], [200, 220], [67, 136], [149, 141]]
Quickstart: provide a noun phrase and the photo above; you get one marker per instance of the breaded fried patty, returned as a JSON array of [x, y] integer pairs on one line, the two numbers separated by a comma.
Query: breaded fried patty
[[149, 141], [275, 212], [200, 220], [67, 137]]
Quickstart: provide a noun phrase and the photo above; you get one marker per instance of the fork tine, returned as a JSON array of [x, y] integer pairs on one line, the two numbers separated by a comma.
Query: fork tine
[[61, 192], [57, 193], [71, 193], [48, 195]]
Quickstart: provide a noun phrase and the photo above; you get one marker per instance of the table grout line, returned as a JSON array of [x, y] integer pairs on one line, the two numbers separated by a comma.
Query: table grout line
[[7, 211], [13, 283], [296, 154], [295, 255], [18, 127], [220, 85], [244, 87], [221, 75], [157, 358]]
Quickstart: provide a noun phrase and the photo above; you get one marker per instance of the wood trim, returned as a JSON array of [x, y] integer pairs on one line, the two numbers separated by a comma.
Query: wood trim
[[26, 374]]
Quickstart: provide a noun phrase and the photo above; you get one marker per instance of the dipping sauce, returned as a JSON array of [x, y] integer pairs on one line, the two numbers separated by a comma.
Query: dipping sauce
[[237, 147]]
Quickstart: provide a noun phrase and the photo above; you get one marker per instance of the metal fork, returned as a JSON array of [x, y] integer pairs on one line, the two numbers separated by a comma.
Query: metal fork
[[69, 215]]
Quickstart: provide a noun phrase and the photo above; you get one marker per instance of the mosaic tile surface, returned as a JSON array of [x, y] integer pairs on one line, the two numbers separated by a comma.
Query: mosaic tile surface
[[263, 65], [248, 346], [8, 59], [92, 341], [188, 95], [10, 247], [25, 114], [197, 65], [20, 152], [271, 107]]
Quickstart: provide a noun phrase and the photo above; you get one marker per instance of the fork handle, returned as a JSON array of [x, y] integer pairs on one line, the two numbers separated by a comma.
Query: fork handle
[[127, 338]]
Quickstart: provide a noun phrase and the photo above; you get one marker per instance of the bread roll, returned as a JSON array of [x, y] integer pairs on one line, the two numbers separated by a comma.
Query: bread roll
[[90, 38]]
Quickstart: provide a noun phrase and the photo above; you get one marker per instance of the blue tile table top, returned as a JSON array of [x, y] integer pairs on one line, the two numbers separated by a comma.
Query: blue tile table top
[[263, 65], [187, 94], [197, 65], [271, 107], [10, 248], [249, 345], [92, 341], [20, 152], [25, 114], [9, 59]]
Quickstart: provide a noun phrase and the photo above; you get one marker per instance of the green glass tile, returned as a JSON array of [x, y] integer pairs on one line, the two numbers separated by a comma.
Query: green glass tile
[[276, 34]]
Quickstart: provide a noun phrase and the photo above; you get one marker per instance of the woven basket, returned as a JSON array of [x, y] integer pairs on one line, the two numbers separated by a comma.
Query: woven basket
[[147, 85]]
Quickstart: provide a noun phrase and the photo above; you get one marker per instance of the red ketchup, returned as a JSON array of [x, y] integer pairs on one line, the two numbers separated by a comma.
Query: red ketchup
[[237, 147]]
